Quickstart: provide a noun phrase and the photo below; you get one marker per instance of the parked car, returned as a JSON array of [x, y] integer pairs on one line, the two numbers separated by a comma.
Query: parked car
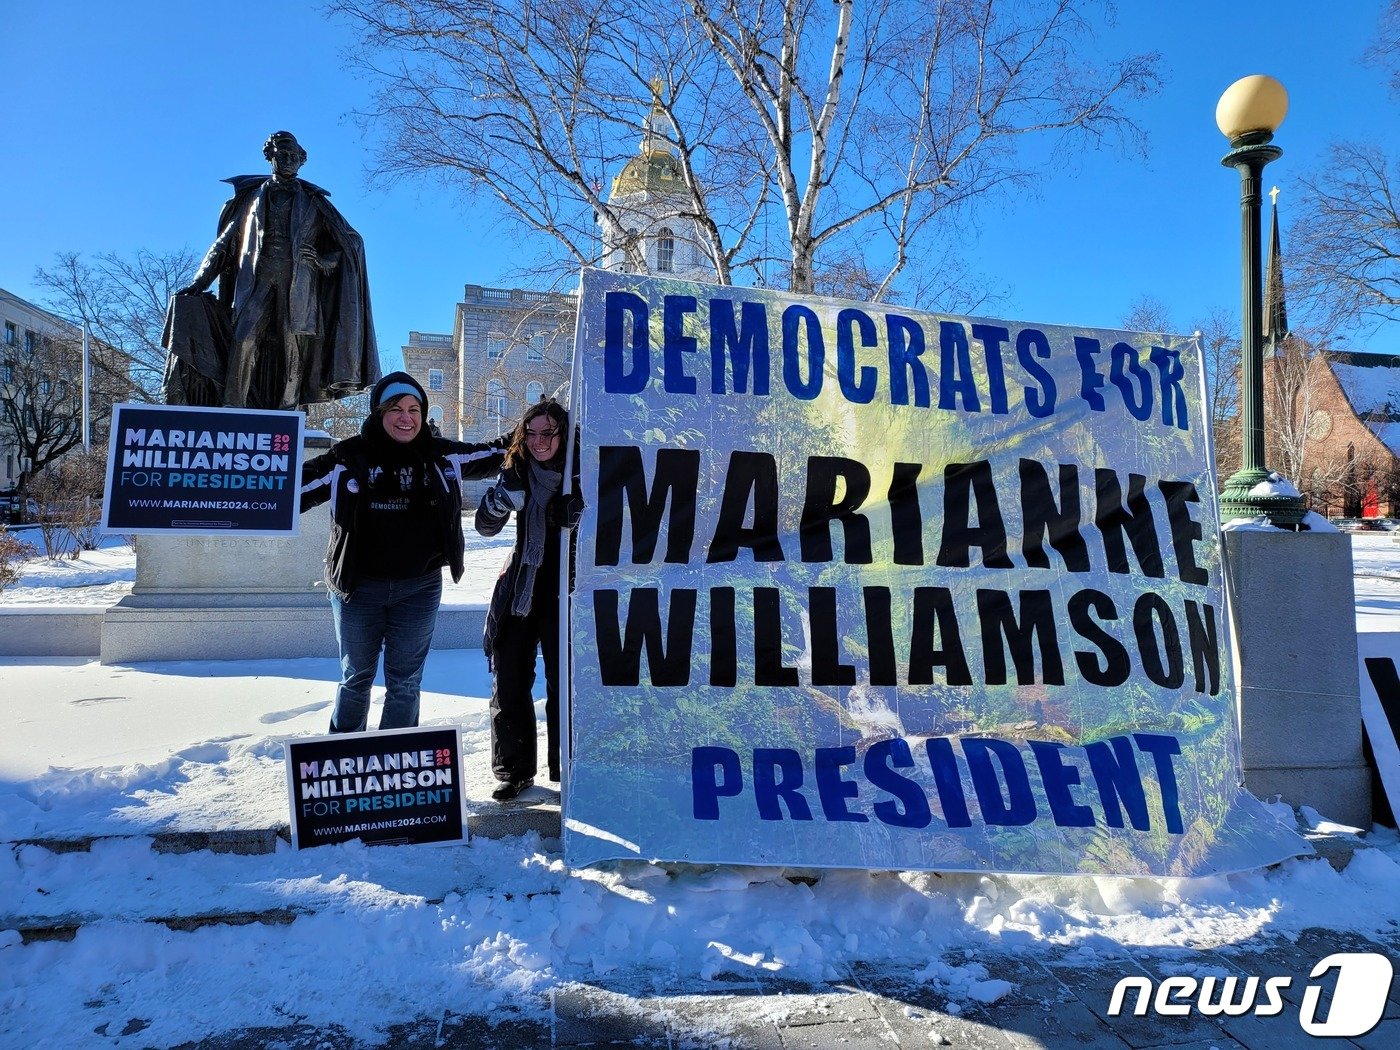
[[10, 510], [1361, 524]]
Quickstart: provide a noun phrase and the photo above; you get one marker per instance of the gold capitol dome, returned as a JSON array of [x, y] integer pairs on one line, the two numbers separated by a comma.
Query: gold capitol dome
[[655, 169]]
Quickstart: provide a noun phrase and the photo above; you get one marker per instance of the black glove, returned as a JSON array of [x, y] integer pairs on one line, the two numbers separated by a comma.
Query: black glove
[[500, 499], [564, 511]]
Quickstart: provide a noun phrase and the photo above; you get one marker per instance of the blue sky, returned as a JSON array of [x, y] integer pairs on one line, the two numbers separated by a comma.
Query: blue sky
[[118, 121]]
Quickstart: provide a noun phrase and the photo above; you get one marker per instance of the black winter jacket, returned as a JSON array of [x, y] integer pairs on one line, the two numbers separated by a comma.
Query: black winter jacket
[[342, 477]]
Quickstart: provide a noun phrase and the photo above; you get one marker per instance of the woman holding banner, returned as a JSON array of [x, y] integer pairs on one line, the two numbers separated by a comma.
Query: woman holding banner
[[396, 520], [524, 612]]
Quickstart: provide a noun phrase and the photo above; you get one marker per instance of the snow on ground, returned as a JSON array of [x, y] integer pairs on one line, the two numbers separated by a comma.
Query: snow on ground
[[96, 579], [100, 578], [1376, 564], [385, 935]]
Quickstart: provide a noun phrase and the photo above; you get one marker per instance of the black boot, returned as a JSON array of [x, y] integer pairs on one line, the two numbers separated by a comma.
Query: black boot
[[509, 789]]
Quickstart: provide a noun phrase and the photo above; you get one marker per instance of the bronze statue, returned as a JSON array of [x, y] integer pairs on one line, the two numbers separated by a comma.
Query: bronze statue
[[291, 324]]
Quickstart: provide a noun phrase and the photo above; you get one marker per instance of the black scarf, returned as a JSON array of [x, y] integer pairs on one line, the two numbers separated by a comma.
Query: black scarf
[[544, 485]]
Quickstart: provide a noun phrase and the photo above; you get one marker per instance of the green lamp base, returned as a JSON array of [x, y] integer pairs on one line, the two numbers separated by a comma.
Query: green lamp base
[[1238, 501]]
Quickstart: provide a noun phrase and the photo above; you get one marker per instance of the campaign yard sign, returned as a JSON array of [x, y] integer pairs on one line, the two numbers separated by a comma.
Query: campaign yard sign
[[202, 471], [394, 786], [862, 586]]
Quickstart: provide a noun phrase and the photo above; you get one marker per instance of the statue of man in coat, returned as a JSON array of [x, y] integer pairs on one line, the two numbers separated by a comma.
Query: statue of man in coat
[[291, 325]]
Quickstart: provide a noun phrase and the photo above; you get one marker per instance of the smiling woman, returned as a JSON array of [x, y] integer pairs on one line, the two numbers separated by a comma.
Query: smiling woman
[[396, 521], [401, 414], [524, 613]]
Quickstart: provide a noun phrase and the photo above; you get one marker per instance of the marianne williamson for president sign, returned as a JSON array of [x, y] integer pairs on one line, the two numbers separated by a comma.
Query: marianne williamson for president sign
[[394, 786], [203, 471]]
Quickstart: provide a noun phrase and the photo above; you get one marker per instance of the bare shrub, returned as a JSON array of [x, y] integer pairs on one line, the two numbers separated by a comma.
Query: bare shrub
[[13, 551], [46, 488], [69, 494], [84, 524]]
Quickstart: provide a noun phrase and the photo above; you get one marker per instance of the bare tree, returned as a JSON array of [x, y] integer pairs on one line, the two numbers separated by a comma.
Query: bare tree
[[41, 402], [1347, 238], [13, 553], [1346, 255], [1149, 314], [1220, 343], [122, 300], [340, 419], [1385, 50], [69, 494], [1288, 403], [858, 130]]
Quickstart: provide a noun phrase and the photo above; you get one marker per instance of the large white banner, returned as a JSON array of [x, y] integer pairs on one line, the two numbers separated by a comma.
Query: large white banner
[[861, 586]]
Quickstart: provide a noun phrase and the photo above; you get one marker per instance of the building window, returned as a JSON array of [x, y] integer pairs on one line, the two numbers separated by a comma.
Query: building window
[[533, 392], [9, 333], [495, 347], [665, 252], [435, 379], [44, 387], [7, 372], [536, 351], [29, 341], [496, 404]]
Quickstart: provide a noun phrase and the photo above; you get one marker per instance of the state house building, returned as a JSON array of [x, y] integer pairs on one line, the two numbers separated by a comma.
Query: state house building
[[511, 346]]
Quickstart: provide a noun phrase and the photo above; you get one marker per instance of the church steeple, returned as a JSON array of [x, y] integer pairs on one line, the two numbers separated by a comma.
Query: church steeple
[[1275, 309]]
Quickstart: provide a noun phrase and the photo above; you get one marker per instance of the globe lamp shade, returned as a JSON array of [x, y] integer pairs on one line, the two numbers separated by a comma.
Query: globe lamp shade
[[1252, 104]]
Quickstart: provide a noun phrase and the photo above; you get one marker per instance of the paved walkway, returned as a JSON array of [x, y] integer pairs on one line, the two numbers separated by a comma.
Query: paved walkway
[[1057, 1002]]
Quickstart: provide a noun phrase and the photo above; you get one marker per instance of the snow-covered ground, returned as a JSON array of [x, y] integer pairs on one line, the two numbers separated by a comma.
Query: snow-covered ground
[[385, 935], [1376, 561], [102, 577], [96, 579]]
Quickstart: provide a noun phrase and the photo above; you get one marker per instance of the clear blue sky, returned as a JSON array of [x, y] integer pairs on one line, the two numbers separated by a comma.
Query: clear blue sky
[[117, 122]]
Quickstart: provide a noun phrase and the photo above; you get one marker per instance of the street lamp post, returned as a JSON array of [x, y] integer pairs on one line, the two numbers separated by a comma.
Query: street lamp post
[[87, 397], [1248, 114]]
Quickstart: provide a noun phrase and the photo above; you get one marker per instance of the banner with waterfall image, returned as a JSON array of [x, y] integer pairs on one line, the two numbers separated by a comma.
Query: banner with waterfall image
[[862, 586]]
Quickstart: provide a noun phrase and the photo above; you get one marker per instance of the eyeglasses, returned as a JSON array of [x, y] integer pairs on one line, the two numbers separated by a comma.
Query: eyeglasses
[[541, 435]]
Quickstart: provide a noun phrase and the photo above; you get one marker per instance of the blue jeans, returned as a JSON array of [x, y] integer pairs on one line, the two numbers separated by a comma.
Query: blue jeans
[[397, 617]]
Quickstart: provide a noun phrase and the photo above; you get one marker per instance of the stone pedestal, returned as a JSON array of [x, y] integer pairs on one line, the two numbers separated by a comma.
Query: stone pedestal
[[242, 598], [225, 598], [1294, 608]]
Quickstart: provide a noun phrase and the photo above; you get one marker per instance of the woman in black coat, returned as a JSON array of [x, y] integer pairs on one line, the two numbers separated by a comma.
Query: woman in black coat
[[396, 520], [524, 612]]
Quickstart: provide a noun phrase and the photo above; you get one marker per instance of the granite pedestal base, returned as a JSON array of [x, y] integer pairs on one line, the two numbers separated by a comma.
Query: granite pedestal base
[[225, 598], [1294, 608]]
